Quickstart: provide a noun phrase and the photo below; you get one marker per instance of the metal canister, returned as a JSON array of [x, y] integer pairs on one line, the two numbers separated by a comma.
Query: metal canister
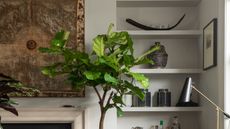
[[163, 98], [146, 102]]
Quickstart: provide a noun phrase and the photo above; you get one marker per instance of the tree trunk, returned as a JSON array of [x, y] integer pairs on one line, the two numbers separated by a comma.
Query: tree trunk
[[101, 124]]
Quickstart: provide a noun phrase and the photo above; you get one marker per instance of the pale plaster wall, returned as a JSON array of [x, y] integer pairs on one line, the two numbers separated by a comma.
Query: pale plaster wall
[[212, 80]]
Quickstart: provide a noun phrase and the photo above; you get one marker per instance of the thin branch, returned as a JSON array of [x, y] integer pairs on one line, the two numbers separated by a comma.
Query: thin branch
[[101, 102], [104, 95], [98, 94], [110, 97]]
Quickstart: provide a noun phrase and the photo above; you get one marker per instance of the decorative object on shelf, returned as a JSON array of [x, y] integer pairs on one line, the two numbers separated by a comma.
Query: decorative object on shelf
[[127, 99], [68, 106], [210, 45], [147, 98], [135, 101], [175, 123], [146, 102], [161, 124], [154, 99], [144, 27], [159, 57], [154, 127], [138, 127], [189, 85], [163, 98], [112, 56]]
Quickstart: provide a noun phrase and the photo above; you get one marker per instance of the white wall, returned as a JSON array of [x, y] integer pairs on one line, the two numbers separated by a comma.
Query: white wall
[[212, 81], [227, 61], [99, 14]]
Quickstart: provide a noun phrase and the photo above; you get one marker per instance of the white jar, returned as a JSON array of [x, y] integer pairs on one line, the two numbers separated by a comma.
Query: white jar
[[127, 99]]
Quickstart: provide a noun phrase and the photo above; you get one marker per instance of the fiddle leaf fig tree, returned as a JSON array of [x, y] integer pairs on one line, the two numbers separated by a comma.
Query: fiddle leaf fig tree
[[106, 69]]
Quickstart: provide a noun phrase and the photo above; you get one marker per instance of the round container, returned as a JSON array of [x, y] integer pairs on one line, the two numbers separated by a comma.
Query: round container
[[127, 99], [163, 98]]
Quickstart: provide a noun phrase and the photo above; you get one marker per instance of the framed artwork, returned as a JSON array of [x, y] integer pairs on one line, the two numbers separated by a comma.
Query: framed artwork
[[210, 45], [27, 25]]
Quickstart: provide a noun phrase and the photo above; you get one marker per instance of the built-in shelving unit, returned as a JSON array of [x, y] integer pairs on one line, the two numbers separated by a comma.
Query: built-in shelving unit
[[182, 45], [162, 109], [157, 3], [166, 71], [171, 34]]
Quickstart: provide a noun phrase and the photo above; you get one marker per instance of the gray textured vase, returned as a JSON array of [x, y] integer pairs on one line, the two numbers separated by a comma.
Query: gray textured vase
[[159, 57]]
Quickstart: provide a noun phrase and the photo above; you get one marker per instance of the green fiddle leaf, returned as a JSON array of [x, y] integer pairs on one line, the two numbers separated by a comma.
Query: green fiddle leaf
[[68, 56], [128, 60], [153, 49], [109, 106], [135, 90], [12, 102], [130, 44], [92, 75], [60, 39], [141, 79], [98, 45], [44, 50], [77, 83], [83, 57], [144, 61], [120, 113], [110, 29], [66, 35], [115, 53], [50, 50], [117, 38], [49, 71], [52, 70], [57, 43], [110, 61], [110, 79], [59, 35], [118, 100]]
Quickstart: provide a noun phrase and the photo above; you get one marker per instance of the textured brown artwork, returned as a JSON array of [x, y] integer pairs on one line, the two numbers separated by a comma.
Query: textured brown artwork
[[26, 25]]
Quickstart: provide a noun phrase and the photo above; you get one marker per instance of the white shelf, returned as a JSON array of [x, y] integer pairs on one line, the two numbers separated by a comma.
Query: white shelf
[[166, 71], [157, 3], [162, 109], [166, 34]]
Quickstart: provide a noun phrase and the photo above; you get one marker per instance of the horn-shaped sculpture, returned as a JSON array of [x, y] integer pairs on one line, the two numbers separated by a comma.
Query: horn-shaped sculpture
[[144, 27]]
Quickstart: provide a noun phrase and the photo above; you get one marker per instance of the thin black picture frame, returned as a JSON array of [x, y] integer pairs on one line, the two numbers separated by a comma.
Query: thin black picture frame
[[212, 23]]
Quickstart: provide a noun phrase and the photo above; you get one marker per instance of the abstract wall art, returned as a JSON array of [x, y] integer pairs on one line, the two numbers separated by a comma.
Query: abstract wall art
[[26, 25]]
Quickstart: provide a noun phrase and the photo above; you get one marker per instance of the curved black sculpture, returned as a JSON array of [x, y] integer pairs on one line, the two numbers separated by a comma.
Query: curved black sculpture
[[144, 27]]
